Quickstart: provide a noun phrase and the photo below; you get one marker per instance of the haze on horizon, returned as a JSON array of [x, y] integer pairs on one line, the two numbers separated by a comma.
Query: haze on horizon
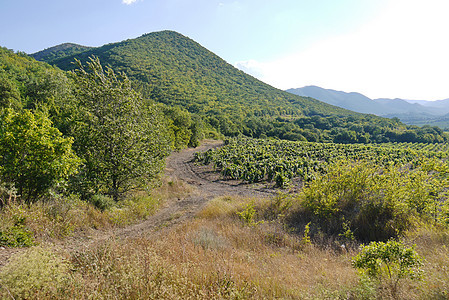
[[382, 48]]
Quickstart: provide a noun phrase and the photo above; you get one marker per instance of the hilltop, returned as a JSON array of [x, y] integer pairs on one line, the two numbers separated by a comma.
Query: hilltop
[[175, 70], [50, 54]]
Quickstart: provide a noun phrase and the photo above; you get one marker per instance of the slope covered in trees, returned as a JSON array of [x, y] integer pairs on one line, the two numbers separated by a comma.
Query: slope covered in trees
[[86, 131], [59, 51], [173, 69]]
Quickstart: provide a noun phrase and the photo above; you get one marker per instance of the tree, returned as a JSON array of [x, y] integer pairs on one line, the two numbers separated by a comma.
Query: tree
[[122, 139], [9, 94], [34, 155]]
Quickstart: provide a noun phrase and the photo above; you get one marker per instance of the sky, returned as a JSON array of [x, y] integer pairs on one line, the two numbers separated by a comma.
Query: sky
[[380, 48]]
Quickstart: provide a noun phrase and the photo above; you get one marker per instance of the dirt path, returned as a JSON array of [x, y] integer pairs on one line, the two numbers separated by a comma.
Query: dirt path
[[206, 185]]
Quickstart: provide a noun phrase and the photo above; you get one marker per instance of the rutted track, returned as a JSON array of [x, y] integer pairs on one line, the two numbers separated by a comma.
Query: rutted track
[[205, 184]]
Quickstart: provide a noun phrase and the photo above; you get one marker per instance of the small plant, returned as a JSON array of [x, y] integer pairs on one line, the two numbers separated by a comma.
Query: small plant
[[248, 214], [13, 232], [16, 236], [347, 232], [35, 271], [102, 202], [306, 237], [209, 239], [388, 263]]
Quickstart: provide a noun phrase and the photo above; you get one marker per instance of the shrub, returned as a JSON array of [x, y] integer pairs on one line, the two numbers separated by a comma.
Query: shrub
[[16, 236], [388, 263], [36, 271], [369, 202], [102, 202], [34, 156]]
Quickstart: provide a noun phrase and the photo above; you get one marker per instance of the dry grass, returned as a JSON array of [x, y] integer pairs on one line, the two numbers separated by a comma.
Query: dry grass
[[218, 256]]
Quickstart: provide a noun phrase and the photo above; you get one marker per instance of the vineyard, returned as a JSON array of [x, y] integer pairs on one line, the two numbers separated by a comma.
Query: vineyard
[[256, 160]]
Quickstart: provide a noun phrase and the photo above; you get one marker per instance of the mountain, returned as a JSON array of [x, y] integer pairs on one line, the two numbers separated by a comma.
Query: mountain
[[177, 71], [50, 54], [352, 101], [438, 103], [416, 112]]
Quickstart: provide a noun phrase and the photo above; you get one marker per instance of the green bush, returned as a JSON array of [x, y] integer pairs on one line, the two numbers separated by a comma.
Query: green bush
[[16, 236], [34, 156], [373, 203], [35, 272], [388, 263], [102, 202], [13, 232]]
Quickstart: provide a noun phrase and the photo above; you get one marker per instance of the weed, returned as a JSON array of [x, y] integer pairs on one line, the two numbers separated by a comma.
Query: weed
[[38, 271]]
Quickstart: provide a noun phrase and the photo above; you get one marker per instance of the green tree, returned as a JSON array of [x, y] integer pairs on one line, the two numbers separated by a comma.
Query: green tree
[[34, 155], [122, 139], [9, 94]]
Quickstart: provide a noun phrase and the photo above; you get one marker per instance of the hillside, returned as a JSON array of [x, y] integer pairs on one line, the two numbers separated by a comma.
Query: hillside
[[50, 54], [418, 112], [173, 69]]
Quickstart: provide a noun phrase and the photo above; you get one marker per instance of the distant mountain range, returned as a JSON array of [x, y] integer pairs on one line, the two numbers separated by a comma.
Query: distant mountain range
[[414, 112]]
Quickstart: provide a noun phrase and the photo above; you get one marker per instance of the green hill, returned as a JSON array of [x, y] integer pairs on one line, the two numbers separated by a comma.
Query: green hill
[[53, 53], [173, 69], [25, 82]]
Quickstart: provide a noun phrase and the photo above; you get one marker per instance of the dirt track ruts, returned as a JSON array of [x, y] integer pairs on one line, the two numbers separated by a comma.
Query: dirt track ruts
[[205, 185]]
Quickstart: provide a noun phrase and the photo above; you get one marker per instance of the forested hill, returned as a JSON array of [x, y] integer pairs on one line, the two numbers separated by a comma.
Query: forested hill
[[63, 50], [173, 69]]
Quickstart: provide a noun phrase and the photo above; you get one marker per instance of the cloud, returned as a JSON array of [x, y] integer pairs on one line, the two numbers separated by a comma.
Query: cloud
[[129, 2], [402, 53], [251, 67]]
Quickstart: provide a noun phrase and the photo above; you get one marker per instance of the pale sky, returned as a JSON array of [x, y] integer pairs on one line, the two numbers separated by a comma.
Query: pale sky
[[381, 48]]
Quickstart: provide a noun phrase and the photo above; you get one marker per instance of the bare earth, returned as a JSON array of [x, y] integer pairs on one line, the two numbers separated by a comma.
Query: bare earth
[[206, 185]]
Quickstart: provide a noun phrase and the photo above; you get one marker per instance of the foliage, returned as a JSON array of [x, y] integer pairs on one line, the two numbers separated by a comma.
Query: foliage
[[59, 51], [306, 241], [255, 160], [16, 236], [172, 69], [9, 94], [248, 215], [180, 125], [122, 140], [34, 156], [388, 263], [35, 270], [25, 82], [370, 202], [368, 192], [102, 202]]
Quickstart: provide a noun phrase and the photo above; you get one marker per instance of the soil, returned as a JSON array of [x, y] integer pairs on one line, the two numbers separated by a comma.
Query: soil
[[206, 185]]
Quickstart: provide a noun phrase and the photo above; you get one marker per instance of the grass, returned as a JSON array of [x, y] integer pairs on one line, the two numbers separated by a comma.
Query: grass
[[217, 255]]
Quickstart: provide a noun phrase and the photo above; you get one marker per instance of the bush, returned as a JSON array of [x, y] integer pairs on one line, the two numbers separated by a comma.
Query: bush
[[36, 271], [388, 263], [102, 202], [374, 203], [34, 156]]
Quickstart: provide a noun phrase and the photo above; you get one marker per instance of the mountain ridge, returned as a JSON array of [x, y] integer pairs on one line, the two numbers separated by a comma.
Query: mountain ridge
[[55, 52], [173, 69], [409, 111]]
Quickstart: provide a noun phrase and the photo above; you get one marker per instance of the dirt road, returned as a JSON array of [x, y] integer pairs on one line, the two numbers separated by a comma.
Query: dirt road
[[205, 183]]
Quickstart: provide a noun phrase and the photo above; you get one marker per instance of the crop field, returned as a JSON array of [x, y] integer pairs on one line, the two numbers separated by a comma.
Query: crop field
[[256, 160]]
